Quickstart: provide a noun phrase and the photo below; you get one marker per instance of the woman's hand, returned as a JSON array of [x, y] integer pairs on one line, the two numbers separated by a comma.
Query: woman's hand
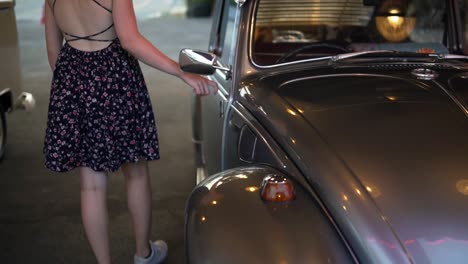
[[199, 84]]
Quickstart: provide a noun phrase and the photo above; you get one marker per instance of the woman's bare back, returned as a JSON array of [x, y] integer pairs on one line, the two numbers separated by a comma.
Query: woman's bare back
[[86, 24]]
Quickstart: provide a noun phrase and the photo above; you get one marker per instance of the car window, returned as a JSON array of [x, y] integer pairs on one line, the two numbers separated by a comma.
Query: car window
[[462, 7], [228, 32], [323, 28]]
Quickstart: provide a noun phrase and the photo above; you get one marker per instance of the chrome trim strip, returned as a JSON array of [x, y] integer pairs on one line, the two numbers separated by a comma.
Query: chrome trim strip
[[234, 80], [221, 91], [201, 174], [240, 2], [6, 100], [235, 107], [195, 141], [453, 97], [6, 90], [252, 156]]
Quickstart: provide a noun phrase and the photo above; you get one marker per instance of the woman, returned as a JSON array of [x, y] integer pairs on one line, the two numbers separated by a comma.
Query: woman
[[100, 116]]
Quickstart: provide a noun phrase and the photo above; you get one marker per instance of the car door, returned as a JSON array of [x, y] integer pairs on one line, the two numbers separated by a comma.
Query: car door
[[214, 107]]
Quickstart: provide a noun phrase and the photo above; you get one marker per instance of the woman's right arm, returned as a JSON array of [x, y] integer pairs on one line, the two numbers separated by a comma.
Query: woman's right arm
[[54, 37], [136, 44]]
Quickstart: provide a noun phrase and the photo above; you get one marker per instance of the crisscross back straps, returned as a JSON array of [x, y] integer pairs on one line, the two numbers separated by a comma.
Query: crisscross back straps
[[95, 1], [107, 9], [89, 37]]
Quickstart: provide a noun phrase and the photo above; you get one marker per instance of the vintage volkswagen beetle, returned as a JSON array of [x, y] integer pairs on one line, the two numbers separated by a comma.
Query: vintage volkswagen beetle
[[339, 135]]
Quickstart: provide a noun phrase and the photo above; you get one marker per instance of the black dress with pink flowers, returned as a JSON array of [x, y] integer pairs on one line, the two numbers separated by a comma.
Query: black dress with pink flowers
[[100, 114]]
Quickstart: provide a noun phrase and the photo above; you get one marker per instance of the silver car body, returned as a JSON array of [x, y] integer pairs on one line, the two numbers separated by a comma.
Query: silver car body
[[377, 151]]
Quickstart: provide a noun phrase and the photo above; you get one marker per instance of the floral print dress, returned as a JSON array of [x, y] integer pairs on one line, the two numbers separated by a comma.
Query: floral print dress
[[100, 114]]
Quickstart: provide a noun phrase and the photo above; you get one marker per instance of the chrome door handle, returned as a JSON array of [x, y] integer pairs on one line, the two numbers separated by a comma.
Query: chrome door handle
[[221, 109]]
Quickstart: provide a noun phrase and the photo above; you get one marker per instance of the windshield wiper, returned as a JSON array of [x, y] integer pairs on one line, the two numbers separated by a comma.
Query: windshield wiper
[[439, 56], [448, 56], [349, 55], [344, 56]]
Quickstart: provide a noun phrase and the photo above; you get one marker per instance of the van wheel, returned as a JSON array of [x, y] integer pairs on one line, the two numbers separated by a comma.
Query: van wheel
[[3, 132]]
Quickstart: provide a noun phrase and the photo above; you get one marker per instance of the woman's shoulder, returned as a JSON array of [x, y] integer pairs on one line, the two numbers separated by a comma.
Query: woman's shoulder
[[104, 3]]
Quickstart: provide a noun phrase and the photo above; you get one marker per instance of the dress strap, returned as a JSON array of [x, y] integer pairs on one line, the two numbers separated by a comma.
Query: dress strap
[[101, 5], [95, 1], [89, 37], [53, 6]]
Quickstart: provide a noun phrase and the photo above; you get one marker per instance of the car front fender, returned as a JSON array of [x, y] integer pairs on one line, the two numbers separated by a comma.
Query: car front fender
[[228, 222]]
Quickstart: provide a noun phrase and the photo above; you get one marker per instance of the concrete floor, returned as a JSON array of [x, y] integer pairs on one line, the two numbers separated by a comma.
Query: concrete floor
[[40, 214]]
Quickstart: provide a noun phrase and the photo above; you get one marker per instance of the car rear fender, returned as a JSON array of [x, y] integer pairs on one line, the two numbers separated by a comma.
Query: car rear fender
[[228, 222], [6, 100]]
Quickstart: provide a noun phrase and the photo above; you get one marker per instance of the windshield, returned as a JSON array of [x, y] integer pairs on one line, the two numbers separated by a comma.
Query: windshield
[[290, 30]]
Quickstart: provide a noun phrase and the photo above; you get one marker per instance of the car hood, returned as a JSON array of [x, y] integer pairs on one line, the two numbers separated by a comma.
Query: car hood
[[387, 154]]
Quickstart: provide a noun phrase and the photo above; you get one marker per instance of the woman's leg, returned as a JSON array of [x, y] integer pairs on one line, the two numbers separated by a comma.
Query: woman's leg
[[139, 203], [94, 212]]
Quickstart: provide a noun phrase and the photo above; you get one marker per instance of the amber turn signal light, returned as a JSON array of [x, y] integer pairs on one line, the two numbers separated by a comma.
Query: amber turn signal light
[[276, 188]]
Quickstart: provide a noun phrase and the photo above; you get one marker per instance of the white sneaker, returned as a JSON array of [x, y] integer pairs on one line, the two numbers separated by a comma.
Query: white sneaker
[[158, 254]]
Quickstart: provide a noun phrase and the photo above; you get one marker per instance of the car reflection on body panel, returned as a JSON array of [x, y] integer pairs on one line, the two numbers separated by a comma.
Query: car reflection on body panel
[[338, 135]]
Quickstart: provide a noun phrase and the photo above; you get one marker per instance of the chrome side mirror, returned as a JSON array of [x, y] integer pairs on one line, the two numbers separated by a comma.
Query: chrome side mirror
[[196, 61], [200, 62]]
